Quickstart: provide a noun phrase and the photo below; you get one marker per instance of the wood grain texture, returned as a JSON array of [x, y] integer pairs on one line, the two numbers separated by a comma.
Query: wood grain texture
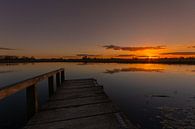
[[11, 89], [80, 104]]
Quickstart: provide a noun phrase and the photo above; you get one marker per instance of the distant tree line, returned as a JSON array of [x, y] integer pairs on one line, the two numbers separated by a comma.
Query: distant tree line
[[17, 59], [10, 59]]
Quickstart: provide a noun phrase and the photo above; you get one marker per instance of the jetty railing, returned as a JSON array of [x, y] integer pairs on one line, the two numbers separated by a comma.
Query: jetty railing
[[30, 85]]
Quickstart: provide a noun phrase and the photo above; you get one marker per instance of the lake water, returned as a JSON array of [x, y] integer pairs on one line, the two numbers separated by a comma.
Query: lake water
[[153, 96]]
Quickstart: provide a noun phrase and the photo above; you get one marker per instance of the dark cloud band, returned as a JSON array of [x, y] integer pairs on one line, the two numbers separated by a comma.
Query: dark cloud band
[[87, 55], [191, 47], [7, 49], [126, 55], [178, 53], [114, 47]]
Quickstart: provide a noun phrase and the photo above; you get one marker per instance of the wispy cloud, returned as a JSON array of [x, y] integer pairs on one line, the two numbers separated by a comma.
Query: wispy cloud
[[87, 55], [114, 47], [126, 55], [178, 53], [191, 47], [148, 56], [7, 49]]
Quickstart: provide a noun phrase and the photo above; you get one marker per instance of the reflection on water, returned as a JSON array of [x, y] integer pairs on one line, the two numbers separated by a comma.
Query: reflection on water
[[154, 96], [192, 70], [161, 96], [177, 118], [8, 64], [83, 63], [6, 71], [132, 70]]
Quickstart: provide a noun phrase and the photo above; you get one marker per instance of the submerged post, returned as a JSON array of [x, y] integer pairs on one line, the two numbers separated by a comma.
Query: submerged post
[[58, 79], [62, 76], [31, 101], [51, 85]]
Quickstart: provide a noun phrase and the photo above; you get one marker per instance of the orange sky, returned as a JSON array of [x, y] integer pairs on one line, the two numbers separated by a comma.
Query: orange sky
[[70, 28], [102, 52], [185, 50]]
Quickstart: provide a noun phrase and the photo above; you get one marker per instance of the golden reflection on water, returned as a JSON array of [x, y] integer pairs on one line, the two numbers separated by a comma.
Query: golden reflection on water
[[184, 69], [105, 68], [164, 86]]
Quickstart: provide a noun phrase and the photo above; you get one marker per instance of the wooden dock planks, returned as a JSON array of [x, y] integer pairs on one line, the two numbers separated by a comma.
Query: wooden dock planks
[[79, 104]]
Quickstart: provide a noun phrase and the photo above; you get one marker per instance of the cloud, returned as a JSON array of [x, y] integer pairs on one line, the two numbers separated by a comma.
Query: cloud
[[7, 49], [126, 55], [191, 47], [147, 56], [87, 55], [114, 47], [178, 53], [143, 56]]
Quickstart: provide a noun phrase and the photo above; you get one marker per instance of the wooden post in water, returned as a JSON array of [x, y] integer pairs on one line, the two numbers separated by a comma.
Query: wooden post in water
[[31, 101], [58, 79], [51, 86], [62, 76], [31, 89]]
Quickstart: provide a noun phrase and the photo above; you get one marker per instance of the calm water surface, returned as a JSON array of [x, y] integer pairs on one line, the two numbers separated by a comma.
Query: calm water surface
[[154, 96]]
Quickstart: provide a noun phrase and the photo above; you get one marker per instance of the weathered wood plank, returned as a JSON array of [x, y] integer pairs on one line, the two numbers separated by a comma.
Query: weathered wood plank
[[92, 81], [82, 80], [65, 85], [107, 121], [76, 90], [76, 95], [75, 102], [11, 89], [79, 104], [79, 84], [73, 113]]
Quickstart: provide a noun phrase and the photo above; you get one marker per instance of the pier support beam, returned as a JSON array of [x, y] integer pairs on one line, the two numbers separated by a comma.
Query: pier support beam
[[31, 101], [62, 76], [51, 86], [58, 79]]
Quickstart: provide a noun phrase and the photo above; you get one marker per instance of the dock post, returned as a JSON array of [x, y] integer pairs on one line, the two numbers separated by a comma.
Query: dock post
[[62, 76], [31, 101], [58, 79], [51, 86]]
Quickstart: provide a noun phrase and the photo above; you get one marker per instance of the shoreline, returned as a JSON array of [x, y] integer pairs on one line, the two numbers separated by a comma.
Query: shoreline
[[187, 62]]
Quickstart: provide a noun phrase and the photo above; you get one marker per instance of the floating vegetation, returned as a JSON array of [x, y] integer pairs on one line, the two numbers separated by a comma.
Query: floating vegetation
[[192, 97], [158, 96], [177, 118], [161, 96]]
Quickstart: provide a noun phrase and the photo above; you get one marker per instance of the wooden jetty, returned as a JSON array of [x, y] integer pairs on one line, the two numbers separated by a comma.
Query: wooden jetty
[[75, 104]]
